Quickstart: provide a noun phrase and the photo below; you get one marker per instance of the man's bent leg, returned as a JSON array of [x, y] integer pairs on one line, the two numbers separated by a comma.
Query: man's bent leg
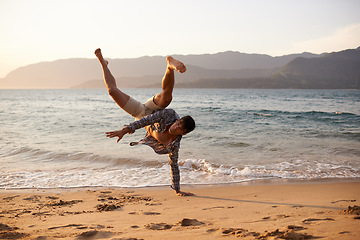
[[164, 98], [119, 97]]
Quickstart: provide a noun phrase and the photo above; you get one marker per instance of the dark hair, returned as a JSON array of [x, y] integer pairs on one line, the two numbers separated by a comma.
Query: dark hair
[[188, 123]]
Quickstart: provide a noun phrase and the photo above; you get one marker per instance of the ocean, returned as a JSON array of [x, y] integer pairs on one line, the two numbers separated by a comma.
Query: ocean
[[56, 138]]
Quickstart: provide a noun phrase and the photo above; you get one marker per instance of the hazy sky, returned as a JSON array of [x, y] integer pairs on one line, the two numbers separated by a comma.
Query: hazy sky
[[34, 31]]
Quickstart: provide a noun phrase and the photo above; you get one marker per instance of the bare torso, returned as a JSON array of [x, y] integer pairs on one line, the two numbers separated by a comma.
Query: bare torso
[[163, 137]]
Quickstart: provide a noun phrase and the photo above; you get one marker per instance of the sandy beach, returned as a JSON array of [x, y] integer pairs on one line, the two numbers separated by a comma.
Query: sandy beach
[[260, 210]]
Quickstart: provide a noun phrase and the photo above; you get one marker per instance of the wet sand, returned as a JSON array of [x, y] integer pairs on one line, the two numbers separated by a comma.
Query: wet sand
[[261, 210]]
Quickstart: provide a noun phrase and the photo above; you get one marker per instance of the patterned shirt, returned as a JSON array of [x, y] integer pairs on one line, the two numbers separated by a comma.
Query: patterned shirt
[[159, 121]]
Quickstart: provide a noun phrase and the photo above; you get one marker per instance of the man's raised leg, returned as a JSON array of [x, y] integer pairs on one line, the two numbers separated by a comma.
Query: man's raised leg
[[164, 98], [119, 97]]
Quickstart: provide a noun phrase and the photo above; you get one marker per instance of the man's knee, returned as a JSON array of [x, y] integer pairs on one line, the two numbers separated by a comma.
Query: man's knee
[[164, 102], [167, 99]]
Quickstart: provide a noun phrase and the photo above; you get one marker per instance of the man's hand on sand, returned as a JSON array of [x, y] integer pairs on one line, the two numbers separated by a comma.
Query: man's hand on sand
[[184, 194]]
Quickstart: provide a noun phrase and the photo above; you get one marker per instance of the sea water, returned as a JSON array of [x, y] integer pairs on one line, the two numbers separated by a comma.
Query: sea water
[[56, 138]]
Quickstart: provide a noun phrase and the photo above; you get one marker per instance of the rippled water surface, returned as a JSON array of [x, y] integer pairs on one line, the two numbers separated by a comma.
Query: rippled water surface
[[55, 138]]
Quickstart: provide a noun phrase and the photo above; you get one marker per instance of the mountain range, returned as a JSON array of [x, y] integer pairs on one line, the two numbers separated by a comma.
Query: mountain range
[[337, 70]]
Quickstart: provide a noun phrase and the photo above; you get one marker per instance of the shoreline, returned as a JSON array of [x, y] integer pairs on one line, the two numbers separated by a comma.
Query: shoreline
[[272, 181], [261, 210]]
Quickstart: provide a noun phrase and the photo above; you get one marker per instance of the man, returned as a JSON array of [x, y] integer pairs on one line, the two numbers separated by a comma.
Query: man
[[164, 127]]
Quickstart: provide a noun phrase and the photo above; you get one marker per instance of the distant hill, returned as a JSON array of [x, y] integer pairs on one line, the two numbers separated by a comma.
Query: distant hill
[[231, 60], [337, 70], [57, 74], [193, 73], [221, 70], [144, 71]]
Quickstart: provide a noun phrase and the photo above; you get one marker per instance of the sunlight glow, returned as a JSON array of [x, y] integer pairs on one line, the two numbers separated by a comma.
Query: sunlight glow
[[41, 30]]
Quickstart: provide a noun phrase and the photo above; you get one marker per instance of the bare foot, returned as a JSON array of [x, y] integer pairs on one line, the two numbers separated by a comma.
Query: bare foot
[[175, 64], [100, 57]]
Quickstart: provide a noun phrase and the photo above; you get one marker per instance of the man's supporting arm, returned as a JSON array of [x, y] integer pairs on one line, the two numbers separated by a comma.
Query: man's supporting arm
[[175, 173], [174, 168]]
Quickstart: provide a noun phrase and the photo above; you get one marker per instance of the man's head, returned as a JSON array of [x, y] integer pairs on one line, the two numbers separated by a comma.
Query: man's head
[[183, 126], [188, 124]]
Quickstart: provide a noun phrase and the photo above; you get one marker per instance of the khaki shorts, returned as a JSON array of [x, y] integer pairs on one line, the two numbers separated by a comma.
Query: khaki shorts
[[139, 110]]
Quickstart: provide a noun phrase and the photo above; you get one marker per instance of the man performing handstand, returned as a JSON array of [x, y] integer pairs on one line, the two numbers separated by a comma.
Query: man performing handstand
[[164, 127]]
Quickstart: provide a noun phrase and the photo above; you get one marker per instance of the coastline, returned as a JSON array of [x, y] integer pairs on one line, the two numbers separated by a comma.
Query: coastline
[[264, 209], [263, 181]]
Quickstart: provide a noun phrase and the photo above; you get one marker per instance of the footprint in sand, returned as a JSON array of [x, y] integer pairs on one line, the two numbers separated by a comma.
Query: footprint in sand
[[34, 198], [238, 232], [232, 231], [295, 228], [12, 235], [274, 218], [343, 201], [105, 192], [107, 207], [94, 235], [352, 210], [297, 206], [218, 207], [153, 204], [62, 203], [7, 199], [151, 213], [158, 226], [185, 222], [145, 213], [190, 222], [41, 238], [66, 226], [311, 220], [52, 197], [4, 227], [287, 234], [7, 232]]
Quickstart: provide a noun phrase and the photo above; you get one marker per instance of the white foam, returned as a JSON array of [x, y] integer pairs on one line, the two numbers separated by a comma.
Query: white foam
[[193, 171]]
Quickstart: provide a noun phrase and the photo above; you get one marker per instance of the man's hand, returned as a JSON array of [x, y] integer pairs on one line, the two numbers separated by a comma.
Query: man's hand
[[120, 134], [184, 194]]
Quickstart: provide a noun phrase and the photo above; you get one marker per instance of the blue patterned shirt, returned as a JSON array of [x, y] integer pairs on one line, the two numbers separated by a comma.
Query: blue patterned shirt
[[159, 121]]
